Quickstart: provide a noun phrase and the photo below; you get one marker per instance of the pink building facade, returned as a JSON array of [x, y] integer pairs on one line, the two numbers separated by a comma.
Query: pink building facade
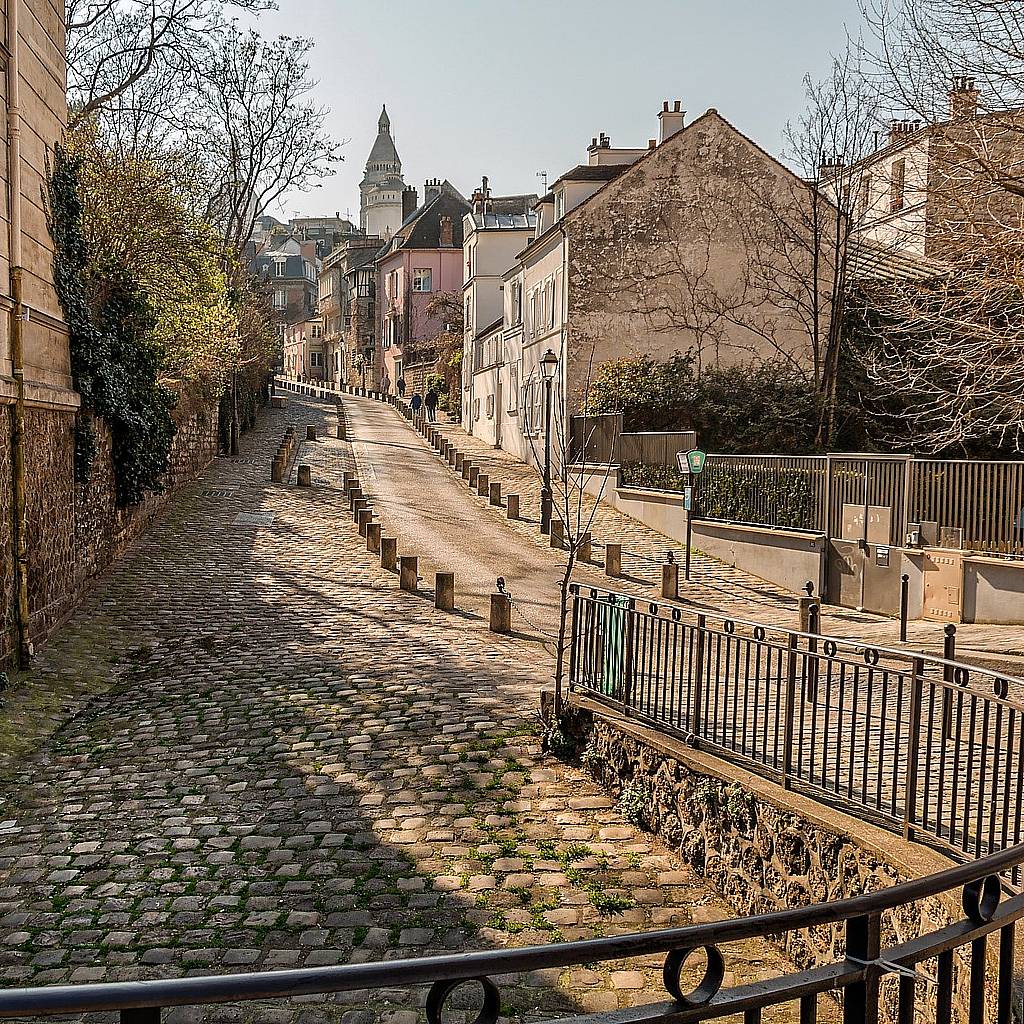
[[422, 260]]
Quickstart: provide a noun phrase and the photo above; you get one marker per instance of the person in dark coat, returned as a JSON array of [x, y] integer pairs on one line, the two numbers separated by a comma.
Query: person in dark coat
[[416, 402], [431, 403], [400, 384]]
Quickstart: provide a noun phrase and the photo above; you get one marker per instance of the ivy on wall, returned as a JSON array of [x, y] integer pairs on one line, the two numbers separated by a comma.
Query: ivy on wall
[[114, 364]]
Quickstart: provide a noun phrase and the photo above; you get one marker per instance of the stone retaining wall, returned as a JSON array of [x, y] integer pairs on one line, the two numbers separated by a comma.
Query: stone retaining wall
[[759, 853], [75, 531]]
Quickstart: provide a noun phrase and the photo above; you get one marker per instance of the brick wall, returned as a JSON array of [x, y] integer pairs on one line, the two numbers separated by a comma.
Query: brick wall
[[75, 531]]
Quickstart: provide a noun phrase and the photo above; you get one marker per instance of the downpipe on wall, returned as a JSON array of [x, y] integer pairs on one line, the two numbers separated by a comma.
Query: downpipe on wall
[[20, 522]]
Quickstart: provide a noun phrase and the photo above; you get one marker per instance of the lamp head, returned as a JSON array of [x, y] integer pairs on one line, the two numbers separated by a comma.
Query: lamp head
[[548, 365]]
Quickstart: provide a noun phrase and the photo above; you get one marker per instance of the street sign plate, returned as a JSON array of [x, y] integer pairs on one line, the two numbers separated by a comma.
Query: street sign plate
[[691, 461], [688, 499]]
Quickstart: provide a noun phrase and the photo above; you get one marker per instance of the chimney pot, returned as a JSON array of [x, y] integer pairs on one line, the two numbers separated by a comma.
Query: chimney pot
[[670, 121]]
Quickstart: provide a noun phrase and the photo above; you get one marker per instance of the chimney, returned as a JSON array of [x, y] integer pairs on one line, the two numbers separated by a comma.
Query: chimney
[[410, 198], [431, 189], [829, 167], [900, 131], [963, 98], [671, 121], [652, 143], [447, 233]]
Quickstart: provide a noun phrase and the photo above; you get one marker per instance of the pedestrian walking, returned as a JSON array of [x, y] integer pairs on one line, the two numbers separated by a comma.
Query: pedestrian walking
[[416, 402], [431, 403], [385, 385], [400, 384]]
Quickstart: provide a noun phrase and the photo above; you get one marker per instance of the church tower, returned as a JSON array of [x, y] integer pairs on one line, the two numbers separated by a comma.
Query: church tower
[[380, 192]]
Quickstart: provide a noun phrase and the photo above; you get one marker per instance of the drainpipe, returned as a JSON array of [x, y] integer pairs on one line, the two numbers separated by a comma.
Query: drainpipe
[[17, 336]]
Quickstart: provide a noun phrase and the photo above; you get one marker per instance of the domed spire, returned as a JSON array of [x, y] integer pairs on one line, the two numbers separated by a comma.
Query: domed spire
[[384, 124]]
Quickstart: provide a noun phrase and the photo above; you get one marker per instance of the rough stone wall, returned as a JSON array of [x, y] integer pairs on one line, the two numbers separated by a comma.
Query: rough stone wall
[[761, 857], [75, 531]]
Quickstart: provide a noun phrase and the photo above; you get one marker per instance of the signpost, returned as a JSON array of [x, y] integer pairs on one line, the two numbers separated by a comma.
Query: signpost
[[692, 464]]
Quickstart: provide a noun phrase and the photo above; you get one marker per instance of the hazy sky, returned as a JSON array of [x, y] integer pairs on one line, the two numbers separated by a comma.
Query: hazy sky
[[508, 89]]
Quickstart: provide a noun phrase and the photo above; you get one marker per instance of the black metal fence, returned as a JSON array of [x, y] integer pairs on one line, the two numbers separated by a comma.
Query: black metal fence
[[929, 747]]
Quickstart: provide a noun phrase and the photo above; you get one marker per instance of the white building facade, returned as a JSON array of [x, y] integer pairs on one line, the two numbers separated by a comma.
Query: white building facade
[[380, 191]]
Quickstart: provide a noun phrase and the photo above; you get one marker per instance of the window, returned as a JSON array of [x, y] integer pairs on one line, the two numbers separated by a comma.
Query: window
[[516, 313], [469, 313], [421, 280], [490, 407], [899, 180], [532, 325], [550, 288], [280, 299], [865, 193], [280, 267], [513, 388], [560, 204]]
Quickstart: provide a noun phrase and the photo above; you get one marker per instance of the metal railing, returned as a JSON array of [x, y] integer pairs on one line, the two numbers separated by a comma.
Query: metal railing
[[972, 504], [858, 975], [927, 746]]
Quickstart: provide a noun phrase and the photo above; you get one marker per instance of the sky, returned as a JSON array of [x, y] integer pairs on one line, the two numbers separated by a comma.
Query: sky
[[508, 89]]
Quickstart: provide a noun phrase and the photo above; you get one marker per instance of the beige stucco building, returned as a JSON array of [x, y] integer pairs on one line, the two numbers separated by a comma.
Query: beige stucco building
[[933, 190], [668, 248]]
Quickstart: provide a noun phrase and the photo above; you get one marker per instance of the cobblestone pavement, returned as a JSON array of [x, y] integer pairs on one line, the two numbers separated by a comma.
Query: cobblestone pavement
[[274, 758]]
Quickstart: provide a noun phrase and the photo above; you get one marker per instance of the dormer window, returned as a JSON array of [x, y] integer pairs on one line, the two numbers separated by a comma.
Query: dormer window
[[559, 204]]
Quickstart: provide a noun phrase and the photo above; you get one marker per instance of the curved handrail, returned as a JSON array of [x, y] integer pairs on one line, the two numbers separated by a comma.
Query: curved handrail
[[57, 999]]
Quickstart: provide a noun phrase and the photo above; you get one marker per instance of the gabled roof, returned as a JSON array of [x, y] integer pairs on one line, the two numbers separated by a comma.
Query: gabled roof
[[592, 172], [870, 261], [422, 228]]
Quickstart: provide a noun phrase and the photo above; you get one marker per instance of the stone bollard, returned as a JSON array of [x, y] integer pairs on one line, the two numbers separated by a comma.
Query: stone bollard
[[347, 479], [305, 477], [277, 470], [310, 432], [388, 553], [501, 613], [459, 460], [483, 484], [354, 494], [363, 520], [585, 548], [409, 576], [512, 505], [466, 467], [670, 581], [341, 430], [557, 533], [452, 455], [360, 505], [373, 537], [613, 559], [474, 475], [444, 591], [806, 604], [496, 494]]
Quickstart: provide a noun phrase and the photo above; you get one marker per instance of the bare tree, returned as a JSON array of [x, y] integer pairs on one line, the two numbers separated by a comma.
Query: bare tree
[[116, 47], [947, 343], [801, 245], [573, 505], [260, 132]]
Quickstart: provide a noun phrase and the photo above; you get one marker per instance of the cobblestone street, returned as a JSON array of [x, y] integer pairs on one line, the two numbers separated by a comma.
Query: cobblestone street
[[274, 758]]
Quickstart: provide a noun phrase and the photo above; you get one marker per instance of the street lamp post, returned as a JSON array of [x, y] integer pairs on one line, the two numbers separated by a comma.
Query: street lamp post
[[548, 366]]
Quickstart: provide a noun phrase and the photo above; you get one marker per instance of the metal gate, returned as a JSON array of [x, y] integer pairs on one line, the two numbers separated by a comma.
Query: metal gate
[[866, 523]]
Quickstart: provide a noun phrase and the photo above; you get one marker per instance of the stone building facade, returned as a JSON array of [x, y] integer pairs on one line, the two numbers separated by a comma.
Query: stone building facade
[[68, 531]]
